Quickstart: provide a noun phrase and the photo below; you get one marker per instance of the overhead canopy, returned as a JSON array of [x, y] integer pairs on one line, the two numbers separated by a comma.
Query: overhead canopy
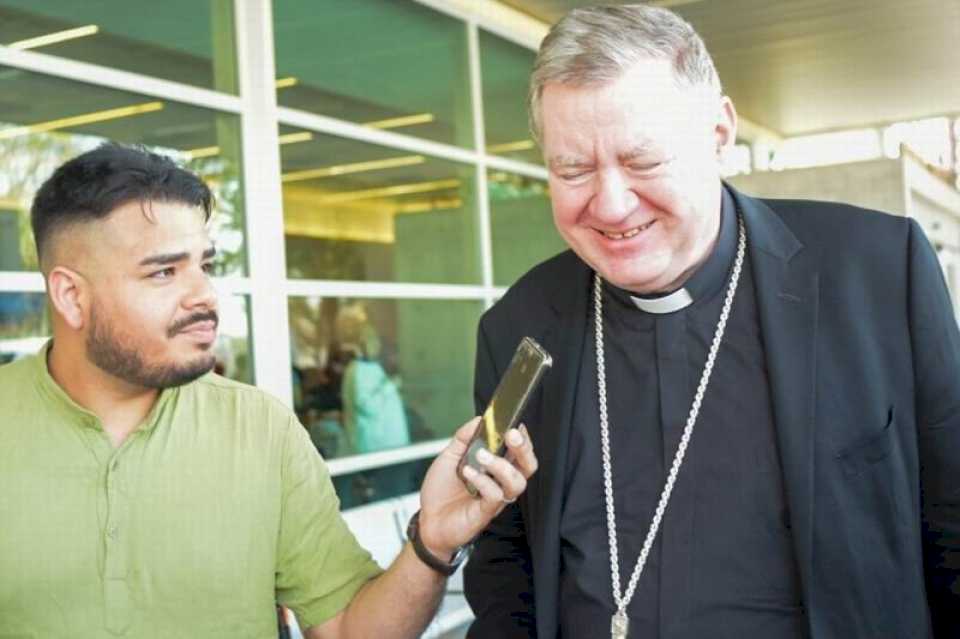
[[808, 66]]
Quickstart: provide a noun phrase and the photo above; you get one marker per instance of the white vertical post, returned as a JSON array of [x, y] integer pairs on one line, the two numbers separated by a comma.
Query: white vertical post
[[263, 198], [479, 142]]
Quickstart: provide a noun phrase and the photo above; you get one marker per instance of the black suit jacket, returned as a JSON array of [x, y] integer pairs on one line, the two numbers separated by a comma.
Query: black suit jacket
[[863, 354]]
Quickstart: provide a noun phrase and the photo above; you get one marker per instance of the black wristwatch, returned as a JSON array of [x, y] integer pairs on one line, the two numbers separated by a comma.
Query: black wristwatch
[[445, 568]]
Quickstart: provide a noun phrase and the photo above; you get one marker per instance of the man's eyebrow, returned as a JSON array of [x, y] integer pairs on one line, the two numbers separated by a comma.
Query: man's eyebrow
[[634, 152], [567, 161], [163, 259]]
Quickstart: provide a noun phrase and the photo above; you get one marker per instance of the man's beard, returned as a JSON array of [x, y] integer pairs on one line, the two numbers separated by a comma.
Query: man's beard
[[116, 356]]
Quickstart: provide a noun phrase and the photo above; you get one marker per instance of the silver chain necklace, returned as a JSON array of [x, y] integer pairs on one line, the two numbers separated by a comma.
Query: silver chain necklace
[[619, 623]]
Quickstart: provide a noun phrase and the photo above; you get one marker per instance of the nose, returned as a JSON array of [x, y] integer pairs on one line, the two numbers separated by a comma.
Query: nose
[[201, 294], [614, 199]]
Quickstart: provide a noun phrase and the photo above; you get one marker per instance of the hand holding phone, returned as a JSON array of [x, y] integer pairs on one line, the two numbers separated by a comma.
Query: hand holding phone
[[530, 361]]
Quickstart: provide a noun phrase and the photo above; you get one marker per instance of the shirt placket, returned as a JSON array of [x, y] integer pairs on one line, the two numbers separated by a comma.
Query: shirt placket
[[676, 534], [116, 537]]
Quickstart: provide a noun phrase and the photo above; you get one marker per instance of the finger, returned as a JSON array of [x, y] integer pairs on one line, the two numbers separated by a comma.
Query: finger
[[505, 474], [521, 453], [461, 439], [491, 495]]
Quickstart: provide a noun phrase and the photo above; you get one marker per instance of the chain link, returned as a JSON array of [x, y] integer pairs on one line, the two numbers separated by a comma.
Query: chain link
[[623, 600]]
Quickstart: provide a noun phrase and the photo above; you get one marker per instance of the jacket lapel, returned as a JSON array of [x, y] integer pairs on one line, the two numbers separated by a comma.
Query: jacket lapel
[[787, 292]]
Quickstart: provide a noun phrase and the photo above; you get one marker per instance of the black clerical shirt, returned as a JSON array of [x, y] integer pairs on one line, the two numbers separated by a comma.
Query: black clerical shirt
[[722, 565]]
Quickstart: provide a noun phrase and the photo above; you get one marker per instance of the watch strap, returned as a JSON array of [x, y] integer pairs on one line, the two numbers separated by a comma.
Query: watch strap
[[445, 568]]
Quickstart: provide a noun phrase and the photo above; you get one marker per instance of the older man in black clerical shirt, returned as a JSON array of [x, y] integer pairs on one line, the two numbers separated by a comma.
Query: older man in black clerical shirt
[[752, 428]]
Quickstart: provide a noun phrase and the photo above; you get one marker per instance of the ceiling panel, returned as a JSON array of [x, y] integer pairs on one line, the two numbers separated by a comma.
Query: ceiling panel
[[804, 66]]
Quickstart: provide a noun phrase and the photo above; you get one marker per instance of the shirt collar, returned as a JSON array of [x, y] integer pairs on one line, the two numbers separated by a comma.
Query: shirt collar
[[76, 413], [704, 283]]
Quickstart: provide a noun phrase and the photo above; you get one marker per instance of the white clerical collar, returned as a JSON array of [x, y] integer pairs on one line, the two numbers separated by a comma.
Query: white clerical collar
[[711, 275], [675, 301]]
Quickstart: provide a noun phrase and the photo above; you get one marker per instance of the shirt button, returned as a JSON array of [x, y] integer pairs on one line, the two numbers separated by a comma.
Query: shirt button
[[113, 533]]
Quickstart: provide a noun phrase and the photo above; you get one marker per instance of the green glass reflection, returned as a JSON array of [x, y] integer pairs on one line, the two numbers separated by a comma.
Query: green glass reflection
[[44, 121], [25, 327], [24, 324], [505, 74], [375, 374], [388, 64], [521, 225], [356, 211], [377, 484], [180, 40], [234, 355]]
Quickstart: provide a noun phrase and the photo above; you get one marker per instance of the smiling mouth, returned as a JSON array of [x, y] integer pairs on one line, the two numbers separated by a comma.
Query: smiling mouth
[[200, 327], [626, 235]]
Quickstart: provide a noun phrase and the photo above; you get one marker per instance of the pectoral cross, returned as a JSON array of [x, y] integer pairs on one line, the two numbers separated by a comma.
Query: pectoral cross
[[619, 624]]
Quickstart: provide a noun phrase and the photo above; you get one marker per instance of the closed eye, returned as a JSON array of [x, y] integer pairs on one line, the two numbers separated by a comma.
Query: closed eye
[[573, 176]]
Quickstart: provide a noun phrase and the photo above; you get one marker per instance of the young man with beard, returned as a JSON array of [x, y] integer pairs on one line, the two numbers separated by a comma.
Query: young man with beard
[[752, 428], [141, 496]]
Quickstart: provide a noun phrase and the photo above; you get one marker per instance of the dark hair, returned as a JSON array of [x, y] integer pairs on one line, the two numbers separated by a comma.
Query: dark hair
[[95, 183]]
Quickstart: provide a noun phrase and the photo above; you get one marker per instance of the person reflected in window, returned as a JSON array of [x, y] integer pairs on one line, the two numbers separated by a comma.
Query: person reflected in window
[[373, 412]]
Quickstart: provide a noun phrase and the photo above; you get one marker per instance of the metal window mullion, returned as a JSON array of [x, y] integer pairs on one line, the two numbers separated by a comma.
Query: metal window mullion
[[380, 459], [263, 198], [354, 131], [120, 80], [21, 282], [382, 290], [515, 166], [494, 16], [479, 142]]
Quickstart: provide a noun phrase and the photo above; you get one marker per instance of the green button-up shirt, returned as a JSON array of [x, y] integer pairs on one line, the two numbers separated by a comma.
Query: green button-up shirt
[[213, 509]]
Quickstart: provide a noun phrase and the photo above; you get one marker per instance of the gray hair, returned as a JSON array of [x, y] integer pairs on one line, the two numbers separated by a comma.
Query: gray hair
[[599, 44]]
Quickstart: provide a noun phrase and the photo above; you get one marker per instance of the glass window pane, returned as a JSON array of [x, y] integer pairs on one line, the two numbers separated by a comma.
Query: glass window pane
[[356, 211], [234, 354], [505, 74], [377, 484], [521, 225], [180, 40], [384, 63], [25, 327], [374, 374], [40, 129]]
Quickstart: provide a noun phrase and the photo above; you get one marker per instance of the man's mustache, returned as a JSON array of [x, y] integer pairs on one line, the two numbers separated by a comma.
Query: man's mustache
[[196, 318]]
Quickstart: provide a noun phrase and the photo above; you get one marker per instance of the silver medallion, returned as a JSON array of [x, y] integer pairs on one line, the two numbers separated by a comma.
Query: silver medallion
[[618, 625]]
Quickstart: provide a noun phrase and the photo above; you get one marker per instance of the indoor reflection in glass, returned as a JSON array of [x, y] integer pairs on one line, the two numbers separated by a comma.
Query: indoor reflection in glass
[[362, 212], [388, 65], [377, 484], [374, 375], [182, 40], [505, 75], [39, 131], [521, 225]]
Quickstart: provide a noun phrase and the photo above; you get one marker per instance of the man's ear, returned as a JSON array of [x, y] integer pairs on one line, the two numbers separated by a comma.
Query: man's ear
[[68, 291], [726, 126]]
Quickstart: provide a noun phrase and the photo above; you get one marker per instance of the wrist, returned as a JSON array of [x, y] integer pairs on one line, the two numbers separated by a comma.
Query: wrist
[[443, 561], [429, 539]]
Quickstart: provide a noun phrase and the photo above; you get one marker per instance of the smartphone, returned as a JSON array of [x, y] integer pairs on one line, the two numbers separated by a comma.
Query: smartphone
[[530, 361]]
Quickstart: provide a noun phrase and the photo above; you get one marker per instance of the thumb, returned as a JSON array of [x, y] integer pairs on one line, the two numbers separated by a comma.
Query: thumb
[[461, 439]]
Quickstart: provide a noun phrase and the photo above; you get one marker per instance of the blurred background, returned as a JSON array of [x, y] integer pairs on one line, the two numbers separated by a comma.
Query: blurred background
[[377, 187]]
